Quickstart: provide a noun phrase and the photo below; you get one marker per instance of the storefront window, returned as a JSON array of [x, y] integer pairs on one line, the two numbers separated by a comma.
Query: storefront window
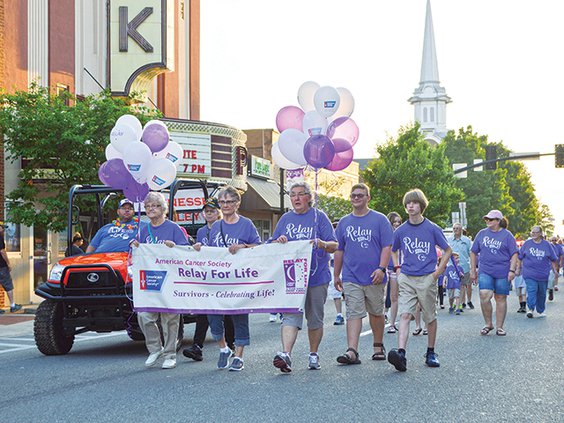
[[263, 228], [12, 237]]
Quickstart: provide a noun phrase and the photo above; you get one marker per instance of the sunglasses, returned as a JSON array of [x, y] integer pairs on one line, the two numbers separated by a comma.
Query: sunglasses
[[487, 219], [358, 195]]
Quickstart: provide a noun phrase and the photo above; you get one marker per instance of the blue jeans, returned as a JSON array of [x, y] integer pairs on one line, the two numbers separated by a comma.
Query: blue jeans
[[240, 323], [536, 294], [498, 285]]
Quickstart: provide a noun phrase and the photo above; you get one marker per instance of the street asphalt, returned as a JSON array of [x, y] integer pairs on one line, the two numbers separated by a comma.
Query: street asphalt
[[519, 377]]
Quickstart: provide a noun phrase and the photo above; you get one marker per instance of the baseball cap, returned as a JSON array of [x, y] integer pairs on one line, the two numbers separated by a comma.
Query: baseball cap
[[124, 202], [493, 214], [212, 202]]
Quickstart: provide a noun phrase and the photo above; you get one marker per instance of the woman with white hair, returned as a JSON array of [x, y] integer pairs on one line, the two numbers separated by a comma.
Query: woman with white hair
[[160, 230], [536, 258]]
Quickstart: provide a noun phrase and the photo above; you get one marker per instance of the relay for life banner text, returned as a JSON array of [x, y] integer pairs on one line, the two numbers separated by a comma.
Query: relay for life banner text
[[268, 278]]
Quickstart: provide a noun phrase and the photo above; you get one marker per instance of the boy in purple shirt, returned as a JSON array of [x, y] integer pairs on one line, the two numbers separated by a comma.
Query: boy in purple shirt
[[417, 240], [494, 252], [537, 257], [365, 239]]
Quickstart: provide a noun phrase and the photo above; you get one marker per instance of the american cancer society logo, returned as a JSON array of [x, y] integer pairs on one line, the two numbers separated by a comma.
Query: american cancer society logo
[[151, 280], [296, 274]]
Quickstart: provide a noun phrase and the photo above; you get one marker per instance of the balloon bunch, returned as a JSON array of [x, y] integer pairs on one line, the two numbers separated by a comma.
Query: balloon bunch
[[139, 159], [320, 134]]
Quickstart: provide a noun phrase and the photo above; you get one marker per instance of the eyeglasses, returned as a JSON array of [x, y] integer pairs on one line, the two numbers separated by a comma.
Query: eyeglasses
[[361, 195], [298, 194], [152, 206], [487, 219], [227, 202]]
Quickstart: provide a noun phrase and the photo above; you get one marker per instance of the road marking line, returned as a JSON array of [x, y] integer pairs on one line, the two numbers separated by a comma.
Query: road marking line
[[17, 349], [368, 332]]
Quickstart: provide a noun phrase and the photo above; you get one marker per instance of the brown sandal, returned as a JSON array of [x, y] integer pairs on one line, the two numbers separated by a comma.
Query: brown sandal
[[486, 329], [381, 355], [346, 359]]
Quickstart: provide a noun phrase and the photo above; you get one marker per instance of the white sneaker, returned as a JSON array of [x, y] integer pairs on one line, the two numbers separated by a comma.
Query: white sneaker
[[272, 318], [169, 363], [530, 314], [542, 315], [152, 359]]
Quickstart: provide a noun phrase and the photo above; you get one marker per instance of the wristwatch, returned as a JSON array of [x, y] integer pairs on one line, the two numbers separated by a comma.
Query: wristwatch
[[382, 268]]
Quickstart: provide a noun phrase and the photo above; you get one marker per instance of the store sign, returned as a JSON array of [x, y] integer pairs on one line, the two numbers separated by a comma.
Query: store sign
[[196, 160], [260, 168], [188, 205], [141, 43]]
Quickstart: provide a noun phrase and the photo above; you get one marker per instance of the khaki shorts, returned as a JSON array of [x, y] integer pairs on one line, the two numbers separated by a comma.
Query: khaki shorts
[[314, 310], [418, 289], [465, 280], [364, 298]]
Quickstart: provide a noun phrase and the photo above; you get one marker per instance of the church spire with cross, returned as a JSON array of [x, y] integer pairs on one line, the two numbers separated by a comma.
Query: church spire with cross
[[430, 99]]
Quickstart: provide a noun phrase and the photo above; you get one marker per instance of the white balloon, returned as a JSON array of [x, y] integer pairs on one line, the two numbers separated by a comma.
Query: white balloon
[[122, 135], [346, 106], [112, 153], [137, 157], [133, 122], [161, 174], [291, 143], [158, 122], [326, 101], [305, 95], [282, 161], [173, 152], [314, 124]]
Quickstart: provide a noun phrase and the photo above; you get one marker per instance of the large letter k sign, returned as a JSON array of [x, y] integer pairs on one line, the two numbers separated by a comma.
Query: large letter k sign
[[129, 29]]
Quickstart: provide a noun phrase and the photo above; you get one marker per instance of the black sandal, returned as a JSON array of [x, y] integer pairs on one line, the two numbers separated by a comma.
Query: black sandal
[[379, 355], [346, 359]]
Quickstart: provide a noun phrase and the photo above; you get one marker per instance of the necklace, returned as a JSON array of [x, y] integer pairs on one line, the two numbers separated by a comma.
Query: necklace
[[127, 225]]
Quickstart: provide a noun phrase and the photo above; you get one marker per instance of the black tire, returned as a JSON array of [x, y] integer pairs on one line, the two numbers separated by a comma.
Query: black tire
[[180, 337], [132, 328], [48, 331]]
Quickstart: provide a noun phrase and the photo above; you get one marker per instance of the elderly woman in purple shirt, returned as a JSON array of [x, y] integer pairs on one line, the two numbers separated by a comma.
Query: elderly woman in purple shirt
[[494, 252]]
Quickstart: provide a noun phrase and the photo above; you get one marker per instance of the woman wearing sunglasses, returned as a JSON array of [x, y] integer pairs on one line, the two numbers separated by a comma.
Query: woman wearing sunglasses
[[494, 252]]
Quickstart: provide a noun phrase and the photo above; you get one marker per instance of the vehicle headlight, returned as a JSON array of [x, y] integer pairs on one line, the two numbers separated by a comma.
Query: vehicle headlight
[[56, 272]]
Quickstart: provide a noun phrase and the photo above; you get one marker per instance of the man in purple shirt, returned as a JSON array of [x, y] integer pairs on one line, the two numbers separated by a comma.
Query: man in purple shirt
[[417, 240], [301, 223], [365, 240]]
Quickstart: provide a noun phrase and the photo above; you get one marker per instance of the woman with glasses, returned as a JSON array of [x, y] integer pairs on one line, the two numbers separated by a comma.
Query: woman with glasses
[[306, 223], [234, 232], [160, 230], [494, 252], [536, 258], [392, 290]]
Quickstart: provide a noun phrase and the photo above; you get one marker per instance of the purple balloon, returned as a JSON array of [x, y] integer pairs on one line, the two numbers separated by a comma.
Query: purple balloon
[[341, 145], [114, 173], [135, 191], [319, 151], [155, 136], [345, 128], [342, 158], [289, 117], [101, 174]]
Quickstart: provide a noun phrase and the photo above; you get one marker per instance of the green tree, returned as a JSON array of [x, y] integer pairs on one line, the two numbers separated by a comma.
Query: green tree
[[334, 207], [410, 162], [546, 220], [62, 142]]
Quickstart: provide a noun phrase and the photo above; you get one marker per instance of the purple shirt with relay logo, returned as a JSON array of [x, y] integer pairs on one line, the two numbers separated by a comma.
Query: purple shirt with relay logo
[[224, 234], [362, 239], [309, 225], [417, 244], [167, 231], [494, 250], [536, 259]]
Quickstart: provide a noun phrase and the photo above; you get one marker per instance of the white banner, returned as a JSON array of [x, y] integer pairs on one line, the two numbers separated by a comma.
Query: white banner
[[270, 278]]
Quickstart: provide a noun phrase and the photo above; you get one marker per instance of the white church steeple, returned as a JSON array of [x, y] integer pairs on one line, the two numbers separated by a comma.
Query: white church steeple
[[430, 99]]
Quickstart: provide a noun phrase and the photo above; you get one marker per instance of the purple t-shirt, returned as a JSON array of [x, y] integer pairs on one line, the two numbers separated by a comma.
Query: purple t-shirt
[[167, 231], [299, 227], [494, 250], [536, 259], [362, 239], [558, 250], [224, 234], [452, 275], [203, 235], [417, 244]]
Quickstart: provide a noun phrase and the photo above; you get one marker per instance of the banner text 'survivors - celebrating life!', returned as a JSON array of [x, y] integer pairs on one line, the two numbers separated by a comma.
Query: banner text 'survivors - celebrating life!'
[[269, 278]]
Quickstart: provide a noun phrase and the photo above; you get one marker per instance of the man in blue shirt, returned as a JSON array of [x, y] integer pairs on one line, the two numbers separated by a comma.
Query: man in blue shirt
[[116, 236], [461, 244]]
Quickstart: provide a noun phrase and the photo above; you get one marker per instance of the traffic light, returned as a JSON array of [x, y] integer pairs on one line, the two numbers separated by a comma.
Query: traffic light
[[559, 155], [491, 154]]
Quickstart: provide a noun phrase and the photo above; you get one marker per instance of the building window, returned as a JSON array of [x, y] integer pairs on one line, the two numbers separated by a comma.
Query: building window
[[263, 228], [432, 112], [62, 89], [424, 114]]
